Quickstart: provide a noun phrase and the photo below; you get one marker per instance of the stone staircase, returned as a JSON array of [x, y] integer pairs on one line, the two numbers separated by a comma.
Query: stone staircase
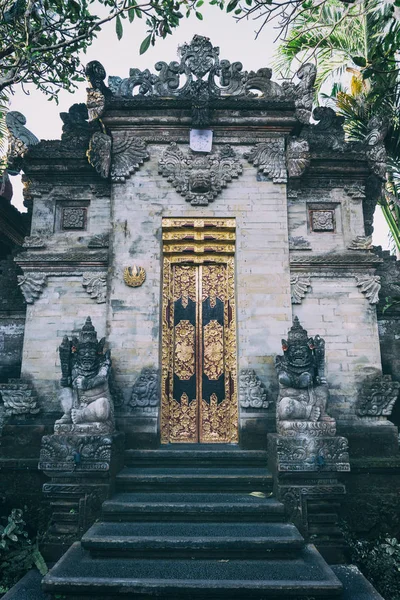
[[193, 522]]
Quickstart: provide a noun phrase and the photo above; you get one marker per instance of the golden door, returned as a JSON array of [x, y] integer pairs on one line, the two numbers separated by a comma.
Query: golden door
[[199, 399]]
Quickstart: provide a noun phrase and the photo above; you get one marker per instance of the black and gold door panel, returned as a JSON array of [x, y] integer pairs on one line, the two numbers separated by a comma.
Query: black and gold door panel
[[199, 400]]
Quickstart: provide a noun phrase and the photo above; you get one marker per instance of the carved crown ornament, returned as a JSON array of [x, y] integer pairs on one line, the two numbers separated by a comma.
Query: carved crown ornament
[[200, 77], [199, 178]]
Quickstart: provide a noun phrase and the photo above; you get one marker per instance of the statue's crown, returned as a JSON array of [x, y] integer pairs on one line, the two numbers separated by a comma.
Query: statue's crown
[[87, 334], [297, 334]]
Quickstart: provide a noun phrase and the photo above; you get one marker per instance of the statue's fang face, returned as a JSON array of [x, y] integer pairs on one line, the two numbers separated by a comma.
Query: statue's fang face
[[87, 356], [299, 354]]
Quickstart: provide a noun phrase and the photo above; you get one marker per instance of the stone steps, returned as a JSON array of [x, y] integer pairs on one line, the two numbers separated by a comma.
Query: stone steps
[[195, 478], [193, 525], [175, 506], [182, 539], [78, 574], [206, 455]]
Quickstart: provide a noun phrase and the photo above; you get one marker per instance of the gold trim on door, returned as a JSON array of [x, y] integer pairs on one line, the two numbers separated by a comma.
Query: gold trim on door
[[199, 397]]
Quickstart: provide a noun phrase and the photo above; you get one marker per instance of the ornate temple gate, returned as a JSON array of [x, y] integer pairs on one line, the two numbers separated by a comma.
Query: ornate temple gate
[[199, 397]]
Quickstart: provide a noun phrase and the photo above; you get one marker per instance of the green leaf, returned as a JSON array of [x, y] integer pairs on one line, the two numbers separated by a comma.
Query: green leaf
[[199, 15], [131, 14], [359, 61], [118, 27], [144, 46], [199, 3], [232, 5], [238, 11]]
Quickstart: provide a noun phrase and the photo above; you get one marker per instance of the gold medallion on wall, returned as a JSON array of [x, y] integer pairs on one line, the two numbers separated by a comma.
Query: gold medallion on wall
[[199, 398]]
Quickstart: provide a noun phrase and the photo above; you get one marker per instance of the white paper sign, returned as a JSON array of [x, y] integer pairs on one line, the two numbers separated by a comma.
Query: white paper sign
[[201, 140]]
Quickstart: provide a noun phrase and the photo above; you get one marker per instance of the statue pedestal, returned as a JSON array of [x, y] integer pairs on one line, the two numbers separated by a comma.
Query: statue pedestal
[[81, 469]]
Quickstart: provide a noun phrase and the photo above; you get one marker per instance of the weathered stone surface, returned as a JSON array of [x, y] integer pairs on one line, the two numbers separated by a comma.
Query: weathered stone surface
[[75, 453], [312, 453], [377, 397], [145, 391], [19, 398]]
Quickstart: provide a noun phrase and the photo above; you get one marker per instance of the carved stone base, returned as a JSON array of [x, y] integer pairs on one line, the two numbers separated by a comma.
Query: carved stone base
[[326, 427], [84, 428], [311, 454], [81, 470]]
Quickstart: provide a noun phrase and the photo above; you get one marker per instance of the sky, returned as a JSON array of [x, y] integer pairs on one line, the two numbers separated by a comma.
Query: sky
[[237, 42]]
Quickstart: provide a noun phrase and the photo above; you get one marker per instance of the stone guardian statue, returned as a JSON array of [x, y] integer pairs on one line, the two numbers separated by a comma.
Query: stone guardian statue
[[85, 395], [303, 391]]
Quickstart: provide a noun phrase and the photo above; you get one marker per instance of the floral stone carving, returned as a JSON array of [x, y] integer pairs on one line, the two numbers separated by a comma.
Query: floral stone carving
[[75, 453], [269, 158], [298, 157], [377, 397], [32, 285], [18, 399], [19, 140], [303, 392], [310, 453], [252, 393], [145, 392], [96, 286], [85, 395], [199, 178]]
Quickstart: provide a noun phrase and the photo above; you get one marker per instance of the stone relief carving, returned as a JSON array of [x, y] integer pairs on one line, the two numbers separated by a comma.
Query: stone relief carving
[[356, 192], [98, 91], [96, 286], [128, 152], [303, 392], [199, 178], [73, 217], [134, 276], [369, 285], [101, 240], [200, 73], [377, 397], [32, 285], [308, 453], [376, 151], [34, 241], [19, 140], [19, 398], [119, 156], [99, 153], [145, 391], [361, 242], [299, 243], [75, 124], [85, 395], [269, 158], [298, 157], [252, 393], [299, 287], [75, 453], [322, 220], [389, 272]]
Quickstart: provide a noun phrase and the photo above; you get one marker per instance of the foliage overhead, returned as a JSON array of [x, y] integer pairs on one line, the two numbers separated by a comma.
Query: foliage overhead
[[41, 40]]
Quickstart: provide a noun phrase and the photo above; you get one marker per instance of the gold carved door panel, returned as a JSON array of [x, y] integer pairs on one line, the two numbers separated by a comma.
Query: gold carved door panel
[[199, 400]]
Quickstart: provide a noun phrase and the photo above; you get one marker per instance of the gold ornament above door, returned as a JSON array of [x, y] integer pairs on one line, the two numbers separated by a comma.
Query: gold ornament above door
[[199, 397]]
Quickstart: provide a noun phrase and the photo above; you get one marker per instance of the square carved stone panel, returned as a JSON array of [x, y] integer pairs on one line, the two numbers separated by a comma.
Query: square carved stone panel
[[322, 220], [73, 217]]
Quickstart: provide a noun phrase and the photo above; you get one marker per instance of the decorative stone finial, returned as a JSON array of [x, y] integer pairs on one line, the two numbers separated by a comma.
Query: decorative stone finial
[[19, 140]]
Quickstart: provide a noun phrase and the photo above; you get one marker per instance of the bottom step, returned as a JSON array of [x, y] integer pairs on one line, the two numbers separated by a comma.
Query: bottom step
[[77, 575]]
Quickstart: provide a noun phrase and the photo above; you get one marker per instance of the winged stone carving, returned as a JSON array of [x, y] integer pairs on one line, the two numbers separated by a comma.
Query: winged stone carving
[[298, 157], [199, 178], [370, 286], [32, 285], [299, 288], [269, 158], [19, 140], [128, 153], [96, 286], [99, 153]]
